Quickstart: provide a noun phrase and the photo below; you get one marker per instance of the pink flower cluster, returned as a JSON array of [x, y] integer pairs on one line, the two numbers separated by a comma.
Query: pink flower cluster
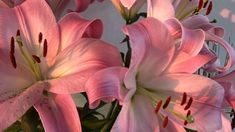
[[46, 56]]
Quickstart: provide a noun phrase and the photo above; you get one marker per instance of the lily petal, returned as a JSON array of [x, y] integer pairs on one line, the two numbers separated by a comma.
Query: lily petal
[[160, 9], [74, 65], [58, 113], [15, 107], [152, 48], [229, 49], [226, 124], [73, 27], [82, 5], [106, 85], [136, 116]]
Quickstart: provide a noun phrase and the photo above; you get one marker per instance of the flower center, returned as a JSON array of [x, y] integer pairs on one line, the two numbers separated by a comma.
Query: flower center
[[165, 104], [32, 61], [183, 11]]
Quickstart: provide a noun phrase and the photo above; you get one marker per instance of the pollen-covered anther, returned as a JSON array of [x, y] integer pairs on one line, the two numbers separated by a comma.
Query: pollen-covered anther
[[188, 113], [45, 48], [159, 104], [200, 4], [209, 9], [184, 99], [165, 122], [40, 37], [167, 102], [189, 104], [12, 48], [36, 58], [13, 60]]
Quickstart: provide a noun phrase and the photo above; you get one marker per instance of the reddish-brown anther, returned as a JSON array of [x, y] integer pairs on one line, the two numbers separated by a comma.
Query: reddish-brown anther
[[167, 102], [189, 104], [18, 32], [184, 99], [165, 122], [12, 49], [200, 4], [13, 60], [40, 37], [36, 58], [209, 9], [188, 113], [159, 104], [45, 48]]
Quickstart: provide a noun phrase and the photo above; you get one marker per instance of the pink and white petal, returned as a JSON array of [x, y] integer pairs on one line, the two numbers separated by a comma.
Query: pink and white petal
[[82, 5], [73, 27], [148, 51], [58, 113], [192, 40], [185, 63], [32, 21], [128, 3], [13, 108], [226, 124], [74, 65], [106, 85], [202, 22], [207, 97], [160, 9], [137, 115], [21, 77], [229, 49]]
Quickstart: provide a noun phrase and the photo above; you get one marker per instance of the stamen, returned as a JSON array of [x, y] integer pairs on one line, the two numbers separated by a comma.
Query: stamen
[[184, 99], [185, 122], [18, 33], [209, 9], [159, 104], [36, 58], [167, 102], [205, 4], [189, 103], [40, 37], [12, 50], [200, 4], [13, 60], [45, 48], [188, 114], [165, 122]]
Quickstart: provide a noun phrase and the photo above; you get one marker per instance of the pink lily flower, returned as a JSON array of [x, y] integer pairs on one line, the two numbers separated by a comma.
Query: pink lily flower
[[159, 91], [167, 9], [42, 62]]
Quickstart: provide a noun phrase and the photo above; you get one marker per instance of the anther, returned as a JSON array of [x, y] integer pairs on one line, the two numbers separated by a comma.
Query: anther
[[200, 4], [205, 4], [12, 50], [184, 99], [165, 122], [36, 58], [189, 104], [40, 37], [159, 104], [13, 60], [167, 102], [185, 122], [45, 48], [208, 11], [188, 113], [18, 33]]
